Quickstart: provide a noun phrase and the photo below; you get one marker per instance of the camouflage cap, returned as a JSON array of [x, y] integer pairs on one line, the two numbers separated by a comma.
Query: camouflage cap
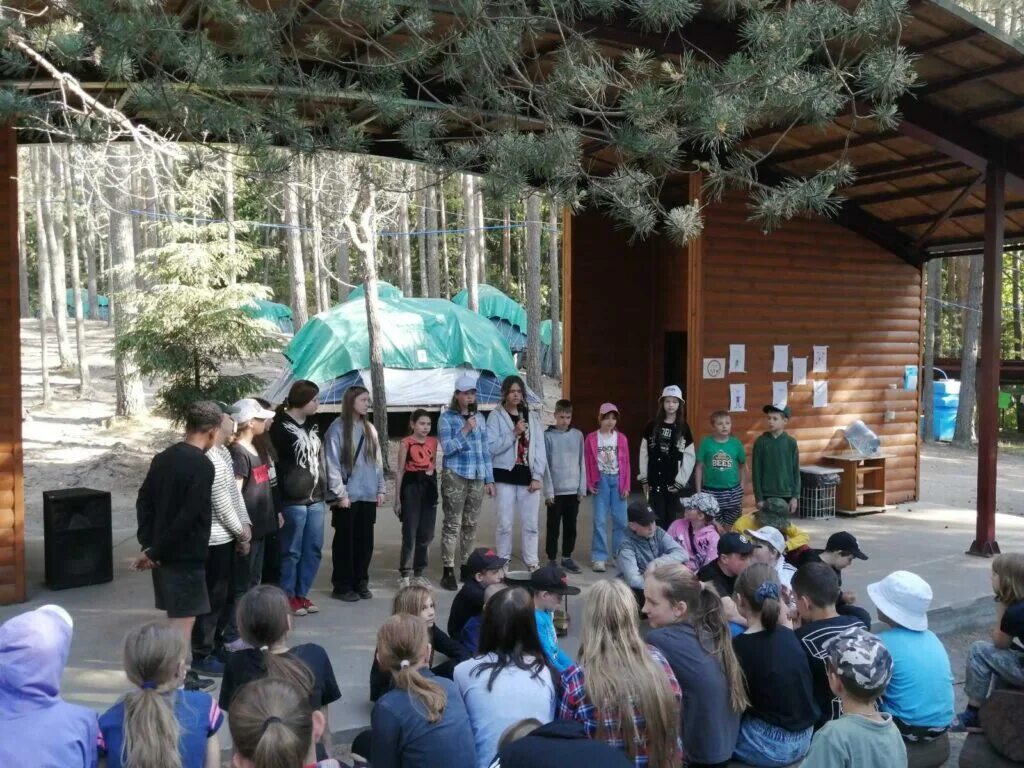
[[859, 657], [775, 513], [702, 502]]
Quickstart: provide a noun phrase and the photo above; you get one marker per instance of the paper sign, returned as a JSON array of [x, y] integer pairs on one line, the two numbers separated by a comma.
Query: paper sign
[[737, 358], [820, 360], [737, 397], [799, 371], [820, 394], [781, 361], [780, 393], [910, 378], [714, 367]]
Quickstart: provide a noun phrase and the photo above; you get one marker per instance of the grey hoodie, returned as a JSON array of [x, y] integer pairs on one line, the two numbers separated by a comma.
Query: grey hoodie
[[636, 553], [367, 479], [566, 474]]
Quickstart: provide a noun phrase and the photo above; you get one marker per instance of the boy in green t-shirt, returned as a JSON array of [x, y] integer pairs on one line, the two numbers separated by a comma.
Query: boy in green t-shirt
[[721, 468]]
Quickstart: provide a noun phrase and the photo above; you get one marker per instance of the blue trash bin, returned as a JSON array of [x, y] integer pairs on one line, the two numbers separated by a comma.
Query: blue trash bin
[[945, 402]]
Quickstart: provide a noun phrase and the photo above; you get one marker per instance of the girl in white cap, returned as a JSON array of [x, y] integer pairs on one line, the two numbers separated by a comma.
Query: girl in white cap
[[667, 456]]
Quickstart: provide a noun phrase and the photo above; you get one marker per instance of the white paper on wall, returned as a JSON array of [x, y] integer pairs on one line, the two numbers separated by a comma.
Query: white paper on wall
[[820, 394], [780, 361], [820, 359], [714, 367], [780, 394], [799, 371], [737, 397], [737, 358]]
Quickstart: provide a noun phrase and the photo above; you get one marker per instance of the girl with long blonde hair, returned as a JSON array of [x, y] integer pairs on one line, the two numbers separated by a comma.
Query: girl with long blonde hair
[[157, 725], [622, 689], [689, 627], [421, 722]]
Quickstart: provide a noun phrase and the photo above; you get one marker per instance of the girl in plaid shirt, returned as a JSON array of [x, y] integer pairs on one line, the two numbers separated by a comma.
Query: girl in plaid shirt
[[622, 690]]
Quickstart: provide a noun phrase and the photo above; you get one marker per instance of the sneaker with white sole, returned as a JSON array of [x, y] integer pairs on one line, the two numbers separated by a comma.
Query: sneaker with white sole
[[404, 582], [598, 566], [236, 645]]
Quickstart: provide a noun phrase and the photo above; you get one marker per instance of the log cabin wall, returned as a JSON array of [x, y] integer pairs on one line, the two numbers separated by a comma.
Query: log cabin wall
[[12, 501], [811, 282]]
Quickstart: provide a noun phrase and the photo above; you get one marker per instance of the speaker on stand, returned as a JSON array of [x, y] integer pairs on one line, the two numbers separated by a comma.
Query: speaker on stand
[[77, 538]]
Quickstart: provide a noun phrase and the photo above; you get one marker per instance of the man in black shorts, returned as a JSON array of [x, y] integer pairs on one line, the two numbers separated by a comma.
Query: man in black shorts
[[174, 511]]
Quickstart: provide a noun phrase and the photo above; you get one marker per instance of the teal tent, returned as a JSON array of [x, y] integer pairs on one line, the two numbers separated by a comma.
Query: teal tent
[[506, 313], [102, 301], [385, 290], [277, 316], [547, 364]]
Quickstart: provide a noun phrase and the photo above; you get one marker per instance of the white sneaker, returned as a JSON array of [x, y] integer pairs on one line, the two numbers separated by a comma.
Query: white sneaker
[[422, 581], [404, 582], [598, 566]]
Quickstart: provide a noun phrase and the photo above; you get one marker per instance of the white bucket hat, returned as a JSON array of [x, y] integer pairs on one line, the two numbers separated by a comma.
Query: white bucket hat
[[771, 536], [672, 391], [904, 597]]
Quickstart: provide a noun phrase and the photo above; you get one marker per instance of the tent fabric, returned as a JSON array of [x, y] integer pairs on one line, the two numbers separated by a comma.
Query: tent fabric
[[102, 301], [279, 316], [495, 304], [385, 290]]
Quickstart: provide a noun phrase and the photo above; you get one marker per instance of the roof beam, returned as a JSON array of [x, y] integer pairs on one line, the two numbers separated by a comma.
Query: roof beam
[[907, 171], [922, 239], [825, 148], [943, 43], [996, 110], [962, 213], [972, 246], [971, 76], [903, 194]]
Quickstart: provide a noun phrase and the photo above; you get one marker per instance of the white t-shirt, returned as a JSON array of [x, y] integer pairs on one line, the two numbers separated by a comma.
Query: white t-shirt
[[515, 695], [608, 453]]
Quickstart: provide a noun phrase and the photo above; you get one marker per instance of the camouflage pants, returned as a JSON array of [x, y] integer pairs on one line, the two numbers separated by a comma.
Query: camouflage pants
[[461, 500]]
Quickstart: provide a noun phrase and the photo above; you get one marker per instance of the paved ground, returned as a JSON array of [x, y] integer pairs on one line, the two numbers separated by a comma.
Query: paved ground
[[928, 537]]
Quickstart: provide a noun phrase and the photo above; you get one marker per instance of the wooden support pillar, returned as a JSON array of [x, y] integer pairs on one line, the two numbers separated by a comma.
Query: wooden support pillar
[[984, 543]]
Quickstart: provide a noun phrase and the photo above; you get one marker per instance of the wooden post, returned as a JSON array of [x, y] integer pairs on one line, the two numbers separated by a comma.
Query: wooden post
[[984, 543]]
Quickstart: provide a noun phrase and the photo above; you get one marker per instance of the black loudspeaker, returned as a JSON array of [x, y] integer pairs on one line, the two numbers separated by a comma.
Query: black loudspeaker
[[77, 538]]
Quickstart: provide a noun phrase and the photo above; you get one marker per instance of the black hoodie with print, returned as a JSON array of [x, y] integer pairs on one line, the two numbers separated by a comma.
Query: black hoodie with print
[[301, 472]]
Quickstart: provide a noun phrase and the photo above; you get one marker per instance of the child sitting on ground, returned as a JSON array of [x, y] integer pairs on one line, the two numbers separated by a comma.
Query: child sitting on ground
[[859, 669], [920, 694], [646, 544], [272, 723], [775, 514], [565, 484], [470, 637], [157, 719], [999, 661], [264, 621], [483, 567], [548, 585], [840, 551], [37, 727], [698, 530], [417, 600], [722, 467]]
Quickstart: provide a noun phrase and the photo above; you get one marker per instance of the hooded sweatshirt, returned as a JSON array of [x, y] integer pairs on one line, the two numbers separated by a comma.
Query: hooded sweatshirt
[[301, 473], [566, 474], [37, 727], [636, 553], [367, 479]]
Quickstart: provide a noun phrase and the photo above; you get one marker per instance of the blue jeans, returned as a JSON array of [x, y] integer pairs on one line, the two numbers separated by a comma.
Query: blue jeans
[[608, 500], [301, 537], [768, 746]]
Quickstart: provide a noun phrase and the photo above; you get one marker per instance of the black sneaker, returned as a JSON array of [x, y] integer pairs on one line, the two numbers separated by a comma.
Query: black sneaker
[[464, 574], [448, 580], [570, 565], [364, 593], [348, 596], [194, 682]]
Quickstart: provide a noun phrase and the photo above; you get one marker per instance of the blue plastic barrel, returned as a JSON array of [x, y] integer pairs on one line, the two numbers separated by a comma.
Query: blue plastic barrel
[[945, 403]]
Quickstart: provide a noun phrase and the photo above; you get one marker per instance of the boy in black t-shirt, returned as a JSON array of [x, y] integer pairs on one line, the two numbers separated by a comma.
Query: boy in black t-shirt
[[733, 556], [840, 551], [484, 568]]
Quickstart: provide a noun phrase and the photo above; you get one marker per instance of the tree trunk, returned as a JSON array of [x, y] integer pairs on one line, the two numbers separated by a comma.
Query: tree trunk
[[343, 266], [293, 241], [1018, 335], [70, 185], [554, 300], [533, 311], [433, 267], [314, 255], [91, 256], [465, 250], [229, 210], [421, 226], [24, 309], [471, 265], [135, 202], [964, 434], [931, 318], [58, 264], [43, 271], [130, 398], [323, 284], [446, 278], [480, 232], [506, 252], [404, 246]]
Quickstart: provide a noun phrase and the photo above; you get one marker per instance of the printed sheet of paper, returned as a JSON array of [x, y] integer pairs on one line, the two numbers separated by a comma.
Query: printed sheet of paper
[[737, 358], [737, 397], [780, 362], [714, 367], [780, 393], [799, 371], [820, 360], [820, 394]]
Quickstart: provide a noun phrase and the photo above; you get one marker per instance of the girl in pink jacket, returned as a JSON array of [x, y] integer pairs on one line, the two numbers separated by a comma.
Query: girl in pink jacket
[[698, 530], [606, 455]]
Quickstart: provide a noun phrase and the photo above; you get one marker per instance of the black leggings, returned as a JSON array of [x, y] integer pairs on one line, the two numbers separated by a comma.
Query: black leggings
[[352, 547]]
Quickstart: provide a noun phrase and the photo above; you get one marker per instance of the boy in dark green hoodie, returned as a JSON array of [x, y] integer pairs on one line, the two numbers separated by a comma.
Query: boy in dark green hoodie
[[776, 461]]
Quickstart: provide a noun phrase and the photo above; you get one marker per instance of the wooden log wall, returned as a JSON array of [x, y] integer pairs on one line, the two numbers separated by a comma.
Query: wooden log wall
[[810, 283], [12, 500]]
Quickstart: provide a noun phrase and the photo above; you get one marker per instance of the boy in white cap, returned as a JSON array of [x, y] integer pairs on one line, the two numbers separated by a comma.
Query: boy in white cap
[[920, 695], [667, 457]]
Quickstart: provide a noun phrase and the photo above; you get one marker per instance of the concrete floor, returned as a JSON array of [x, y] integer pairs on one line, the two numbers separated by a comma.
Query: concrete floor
[[928, 537]]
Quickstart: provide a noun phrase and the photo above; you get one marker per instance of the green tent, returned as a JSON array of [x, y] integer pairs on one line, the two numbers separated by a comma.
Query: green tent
[[279, 316], [385, 290], [508, 315], [102, 303]]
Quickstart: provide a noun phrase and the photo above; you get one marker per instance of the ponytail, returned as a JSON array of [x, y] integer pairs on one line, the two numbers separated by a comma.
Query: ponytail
[[706, 615], [759, 584], [271, 723], [153, 657], [401, 644], [263, 623]]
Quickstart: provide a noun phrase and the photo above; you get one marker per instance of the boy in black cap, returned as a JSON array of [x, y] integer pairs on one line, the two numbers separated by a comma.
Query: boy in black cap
[[733, 556], [548, 586], [484, 568], [840, 551], [776, 461], [645, 544]]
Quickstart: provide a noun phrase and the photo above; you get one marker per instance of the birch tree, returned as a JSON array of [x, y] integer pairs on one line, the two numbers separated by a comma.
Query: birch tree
[[472, 265], [446, 280], [293, 242]]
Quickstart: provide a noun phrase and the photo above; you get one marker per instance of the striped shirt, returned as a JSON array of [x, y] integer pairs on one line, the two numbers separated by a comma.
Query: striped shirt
[[229, 513]]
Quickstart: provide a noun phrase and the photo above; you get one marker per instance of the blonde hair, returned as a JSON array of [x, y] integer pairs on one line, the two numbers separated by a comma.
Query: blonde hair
[[153, 656], [412, 600], [1010, 570], [271, 723], [262, 615], [621, 675], [401, 643], [705, 613]]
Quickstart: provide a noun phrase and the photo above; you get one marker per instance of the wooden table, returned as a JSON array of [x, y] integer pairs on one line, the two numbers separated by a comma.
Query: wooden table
[[862, 486]]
